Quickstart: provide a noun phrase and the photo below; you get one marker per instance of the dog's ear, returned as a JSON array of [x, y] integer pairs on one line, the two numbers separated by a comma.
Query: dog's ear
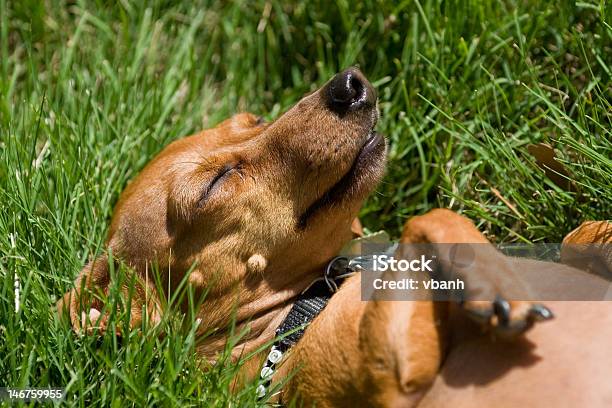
[[247, 120], [241, 122], [83, 303]]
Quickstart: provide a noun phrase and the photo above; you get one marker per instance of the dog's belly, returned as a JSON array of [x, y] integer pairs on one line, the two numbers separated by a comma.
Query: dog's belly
[[564, 363]]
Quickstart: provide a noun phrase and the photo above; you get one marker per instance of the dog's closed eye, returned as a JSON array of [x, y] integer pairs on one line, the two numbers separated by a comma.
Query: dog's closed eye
[[215, 183]]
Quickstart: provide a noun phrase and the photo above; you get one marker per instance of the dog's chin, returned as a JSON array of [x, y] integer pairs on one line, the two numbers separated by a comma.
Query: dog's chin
[[359, 181]]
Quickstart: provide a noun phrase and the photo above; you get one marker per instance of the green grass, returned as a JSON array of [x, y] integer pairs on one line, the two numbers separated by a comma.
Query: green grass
[[91, 90]]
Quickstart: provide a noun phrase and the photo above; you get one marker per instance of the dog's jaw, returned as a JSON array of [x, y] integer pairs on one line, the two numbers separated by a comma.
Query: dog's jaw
[[363, 175]]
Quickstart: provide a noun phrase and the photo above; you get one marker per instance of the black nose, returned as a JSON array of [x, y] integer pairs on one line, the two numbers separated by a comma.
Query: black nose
[[350, 90]]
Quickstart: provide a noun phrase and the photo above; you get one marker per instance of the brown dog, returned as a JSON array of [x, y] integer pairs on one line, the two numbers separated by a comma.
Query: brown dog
[[254, 212]]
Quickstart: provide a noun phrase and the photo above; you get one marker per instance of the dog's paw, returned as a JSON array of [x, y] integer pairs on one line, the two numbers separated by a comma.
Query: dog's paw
[[506, 319], [92, 321], [96, 323]]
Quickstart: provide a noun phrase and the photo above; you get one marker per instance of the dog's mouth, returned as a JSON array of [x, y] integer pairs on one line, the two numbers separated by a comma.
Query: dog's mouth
[[354, 180]]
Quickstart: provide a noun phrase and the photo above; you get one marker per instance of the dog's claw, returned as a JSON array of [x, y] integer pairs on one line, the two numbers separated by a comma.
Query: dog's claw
[[505, 319], [502, 310], [540, 313]]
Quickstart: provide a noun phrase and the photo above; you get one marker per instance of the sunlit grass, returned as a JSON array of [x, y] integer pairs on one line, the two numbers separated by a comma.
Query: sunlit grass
[[90, 91]]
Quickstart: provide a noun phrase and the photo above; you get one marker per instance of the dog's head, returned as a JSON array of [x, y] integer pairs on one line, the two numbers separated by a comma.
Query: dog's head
[[256, 204]]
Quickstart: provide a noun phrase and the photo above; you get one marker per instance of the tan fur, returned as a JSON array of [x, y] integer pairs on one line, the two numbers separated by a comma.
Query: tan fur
[[579, 250]]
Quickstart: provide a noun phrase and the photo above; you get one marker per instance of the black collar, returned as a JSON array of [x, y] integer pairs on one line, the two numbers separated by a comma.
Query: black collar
[[307, 306]]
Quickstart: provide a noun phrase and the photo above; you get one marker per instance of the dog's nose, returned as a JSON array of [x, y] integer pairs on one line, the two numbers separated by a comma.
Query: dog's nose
[[350, 90]]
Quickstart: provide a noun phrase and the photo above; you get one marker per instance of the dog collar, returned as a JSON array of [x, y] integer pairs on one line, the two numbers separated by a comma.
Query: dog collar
[[307, 306], [314, 298]]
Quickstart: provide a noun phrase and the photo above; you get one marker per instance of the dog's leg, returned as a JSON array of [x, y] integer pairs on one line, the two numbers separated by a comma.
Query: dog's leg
[[589, 247], [366, 354], [489, 274]]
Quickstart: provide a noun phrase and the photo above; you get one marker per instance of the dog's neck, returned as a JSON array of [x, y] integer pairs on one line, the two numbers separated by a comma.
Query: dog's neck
[[258, 308]]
